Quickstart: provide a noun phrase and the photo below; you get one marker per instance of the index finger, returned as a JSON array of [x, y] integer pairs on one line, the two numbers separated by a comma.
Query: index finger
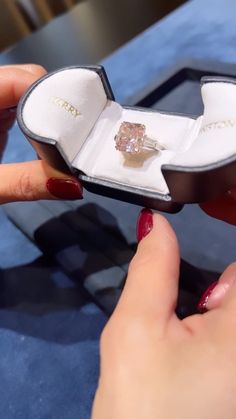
[[14, 80], [152, 284]]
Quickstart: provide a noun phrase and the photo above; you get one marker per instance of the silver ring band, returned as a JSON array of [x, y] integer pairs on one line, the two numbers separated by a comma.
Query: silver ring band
[[152, 144]]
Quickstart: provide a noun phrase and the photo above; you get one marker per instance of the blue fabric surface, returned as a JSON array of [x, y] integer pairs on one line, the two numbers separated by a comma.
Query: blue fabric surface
[[49, 331], [198, 30], [48, 336], [45, 379]]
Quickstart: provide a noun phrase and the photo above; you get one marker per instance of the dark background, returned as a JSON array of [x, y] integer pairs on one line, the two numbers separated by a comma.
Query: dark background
[[117, 20]]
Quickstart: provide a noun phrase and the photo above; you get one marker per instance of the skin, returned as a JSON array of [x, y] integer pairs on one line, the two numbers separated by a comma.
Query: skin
[[155, 366], [27, 180]]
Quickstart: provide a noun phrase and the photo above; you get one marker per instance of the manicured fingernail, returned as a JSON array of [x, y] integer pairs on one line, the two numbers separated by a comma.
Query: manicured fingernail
[[213, 296], [203, 303], [219, 292], [144, 224], [64, 188]]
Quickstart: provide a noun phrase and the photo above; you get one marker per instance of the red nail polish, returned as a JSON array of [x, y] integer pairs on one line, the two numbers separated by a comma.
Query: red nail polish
[[64, 188], [205, 297], [144, 224]]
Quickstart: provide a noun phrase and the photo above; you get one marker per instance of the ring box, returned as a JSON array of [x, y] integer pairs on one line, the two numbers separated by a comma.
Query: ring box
[[71, 118]]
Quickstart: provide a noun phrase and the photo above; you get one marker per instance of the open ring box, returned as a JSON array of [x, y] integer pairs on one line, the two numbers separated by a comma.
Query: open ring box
[[71, 119]]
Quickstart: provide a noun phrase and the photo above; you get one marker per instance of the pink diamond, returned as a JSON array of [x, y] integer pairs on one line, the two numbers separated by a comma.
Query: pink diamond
[[130, 137]]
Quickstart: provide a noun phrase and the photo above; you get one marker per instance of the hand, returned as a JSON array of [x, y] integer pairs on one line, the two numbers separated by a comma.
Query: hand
[[223, 207], [28, 180], [155, 366]]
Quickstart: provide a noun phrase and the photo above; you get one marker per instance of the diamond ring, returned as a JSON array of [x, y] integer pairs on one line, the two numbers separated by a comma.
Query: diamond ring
[[132, 139]]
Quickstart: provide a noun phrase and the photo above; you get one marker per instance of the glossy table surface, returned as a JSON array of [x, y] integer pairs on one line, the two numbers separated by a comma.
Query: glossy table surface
[[48, 330]]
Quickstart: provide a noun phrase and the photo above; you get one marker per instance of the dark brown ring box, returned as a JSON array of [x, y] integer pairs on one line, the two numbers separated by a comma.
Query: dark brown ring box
[[186, 184]]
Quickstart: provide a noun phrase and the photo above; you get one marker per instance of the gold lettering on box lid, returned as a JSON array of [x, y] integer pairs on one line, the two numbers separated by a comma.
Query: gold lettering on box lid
[[65, 105]]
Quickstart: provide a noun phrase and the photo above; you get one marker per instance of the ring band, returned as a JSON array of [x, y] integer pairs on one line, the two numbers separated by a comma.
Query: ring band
[[132, 139]]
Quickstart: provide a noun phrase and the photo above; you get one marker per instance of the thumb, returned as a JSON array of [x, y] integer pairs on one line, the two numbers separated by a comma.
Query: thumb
[[36, 180], [152, 283]]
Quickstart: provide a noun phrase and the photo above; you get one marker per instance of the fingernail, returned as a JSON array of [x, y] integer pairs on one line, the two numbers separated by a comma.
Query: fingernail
[[144, 224], [219, 292], [64, 188], [203, 303]]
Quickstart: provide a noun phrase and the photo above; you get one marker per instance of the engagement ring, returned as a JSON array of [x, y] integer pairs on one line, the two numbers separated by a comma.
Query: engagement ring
[[131, 138]]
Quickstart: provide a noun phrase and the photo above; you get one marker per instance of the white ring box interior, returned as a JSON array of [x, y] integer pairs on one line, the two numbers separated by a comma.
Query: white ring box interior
[[71, 107]]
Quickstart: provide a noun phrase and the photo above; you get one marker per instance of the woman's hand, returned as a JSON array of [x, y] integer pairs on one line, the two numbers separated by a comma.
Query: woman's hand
[[155, 366], [30, 180]]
